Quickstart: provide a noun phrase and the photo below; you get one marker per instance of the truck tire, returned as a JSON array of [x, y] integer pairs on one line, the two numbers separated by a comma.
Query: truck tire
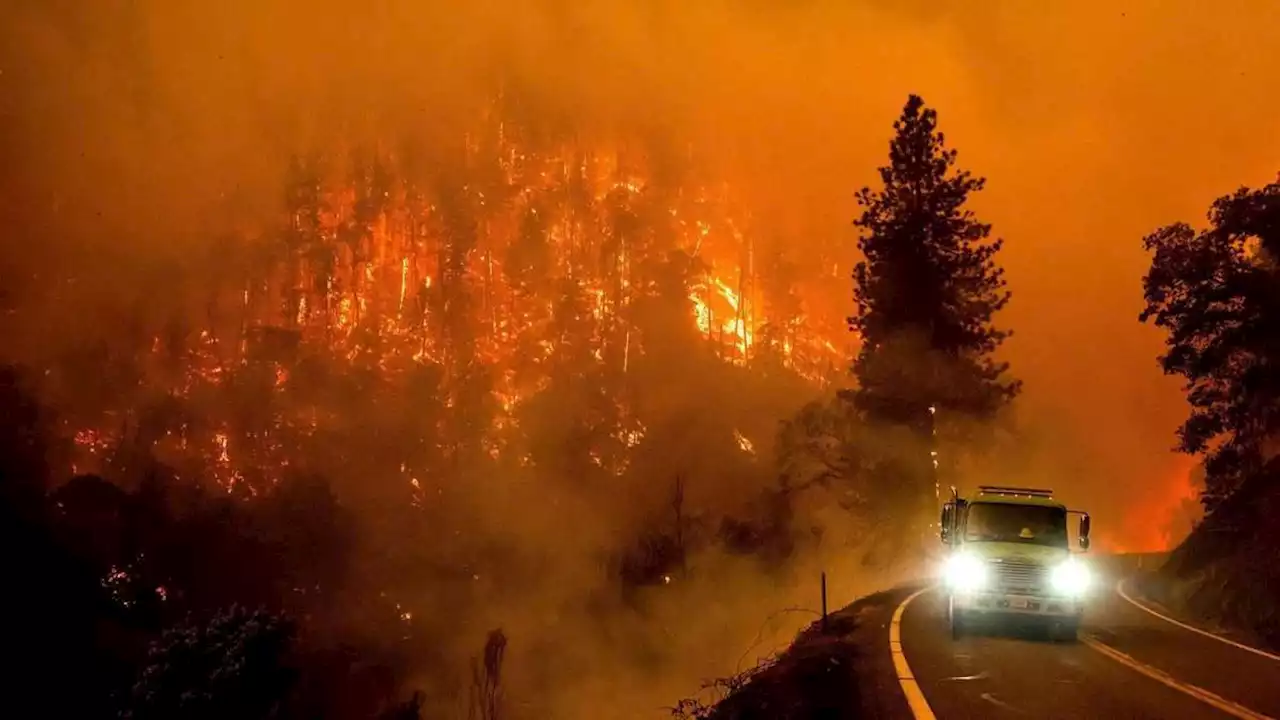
[[957, 621], [1064, 631]]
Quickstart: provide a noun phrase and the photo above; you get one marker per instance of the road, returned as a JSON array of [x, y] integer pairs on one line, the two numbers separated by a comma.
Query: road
[[1129, 663]]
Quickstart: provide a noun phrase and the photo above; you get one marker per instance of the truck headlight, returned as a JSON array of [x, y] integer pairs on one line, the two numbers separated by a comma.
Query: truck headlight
[[965, 572], [1071, 578]]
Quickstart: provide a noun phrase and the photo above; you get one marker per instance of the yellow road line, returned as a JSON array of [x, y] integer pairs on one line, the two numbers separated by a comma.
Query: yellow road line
[[915, 698], [1204, 696], [1120, 589]]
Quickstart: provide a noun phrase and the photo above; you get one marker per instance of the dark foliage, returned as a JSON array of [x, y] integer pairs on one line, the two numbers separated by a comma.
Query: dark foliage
[[131, 597], [24, 470], [1217, 294], [821, 675], [50, 625], [232, 667]]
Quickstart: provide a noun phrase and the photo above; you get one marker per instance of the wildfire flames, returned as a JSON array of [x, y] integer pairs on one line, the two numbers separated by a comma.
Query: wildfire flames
[[511, 265]]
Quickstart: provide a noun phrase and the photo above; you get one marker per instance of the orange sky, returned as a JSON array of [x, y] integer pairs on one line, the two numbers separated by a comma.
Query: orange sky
[[1095, 121]]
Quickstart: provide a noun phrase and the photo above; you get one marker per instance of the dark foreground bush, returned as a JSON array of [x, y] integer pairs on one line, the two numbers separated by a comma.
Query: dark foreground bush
[[811, 680], [231, 667], [247, 666]]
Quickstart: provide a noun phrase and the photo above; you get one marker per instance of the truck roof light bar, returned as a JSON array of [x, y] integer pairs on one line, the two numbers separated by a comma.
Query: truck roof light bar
[[1004, 490]]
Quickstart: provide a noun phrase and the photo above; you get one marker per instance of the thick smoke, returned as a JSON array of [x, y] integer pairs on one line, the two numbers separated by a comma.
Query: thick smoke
[[134, 135]]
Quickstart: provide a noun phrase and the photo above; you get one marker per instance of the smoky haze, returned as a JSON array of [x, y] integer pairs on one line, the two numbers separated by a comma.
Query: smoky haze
[[1095, 122], [133, 132]]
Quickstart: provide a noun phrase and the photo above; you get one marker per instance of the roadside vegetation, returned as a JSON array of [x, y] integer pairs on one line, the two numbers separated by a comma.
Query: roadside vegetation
[[1216, 292], [832, 670]]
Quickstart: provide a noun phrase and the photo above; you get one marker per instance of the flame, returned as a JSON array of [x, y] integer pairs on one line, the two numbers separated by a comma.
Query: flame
[[404, 281], [221, 439], [632, 437], [389, 299], [91, 441], [737, 331], [1160, 522]]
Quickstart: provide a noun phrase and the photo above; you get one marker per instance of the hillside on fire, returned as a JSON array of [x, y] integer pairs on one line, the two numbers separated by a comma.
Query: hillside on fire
[[310, 453], [400, 419]]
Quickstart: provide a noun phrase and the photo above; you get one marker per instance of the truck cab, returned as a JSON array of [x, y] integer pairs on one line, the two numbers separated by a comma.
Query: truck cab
[[1011, 559]]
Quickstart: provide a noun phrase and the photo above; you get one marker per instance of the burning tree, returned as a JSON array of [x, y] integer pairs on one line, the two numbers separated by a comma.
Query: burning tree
[[425, 333], [478, 277]]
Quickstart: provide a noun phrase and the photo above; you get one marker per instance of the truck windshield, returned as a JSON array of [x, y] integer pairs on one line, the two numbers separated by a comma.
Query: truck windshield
[[1031, 524]]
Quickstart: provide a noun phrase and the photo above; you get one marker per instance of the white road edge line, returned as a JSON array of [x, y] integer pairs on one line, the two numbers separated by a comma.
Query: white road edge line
[[1211, 699], [1120, 589], [915, 698]]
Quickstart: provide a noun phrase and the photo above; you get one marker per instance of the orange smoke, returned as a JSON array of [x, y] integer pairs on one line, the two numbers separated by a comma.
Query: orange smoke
[[1161, 522]]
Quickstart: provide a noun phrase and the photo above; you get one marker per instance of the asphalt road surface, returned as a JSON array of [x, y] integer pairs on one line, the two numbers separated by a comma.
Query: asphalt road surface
[[1129, 663]]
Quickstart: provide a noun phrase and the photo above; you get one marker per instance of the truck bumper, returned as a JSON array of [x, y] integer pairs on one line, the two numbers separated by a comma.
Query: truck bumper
[[986, 604]]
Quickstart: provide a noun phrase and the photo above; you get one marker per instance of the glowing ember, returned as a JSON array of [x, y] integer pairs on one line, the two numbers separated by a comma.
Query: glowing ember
[[91, 441], [633, 437]]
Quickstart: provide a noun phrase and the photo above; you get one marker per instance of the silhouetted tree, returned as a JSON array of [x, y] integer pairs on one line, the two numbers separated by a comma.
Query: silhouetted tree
[[528, 267], [529, 256], [54, 603], [24, 469], [311, 534], [776, 340], [468, 381], [568, 424], [926, 294], [90, 514], [486, 679], [1217, 294]]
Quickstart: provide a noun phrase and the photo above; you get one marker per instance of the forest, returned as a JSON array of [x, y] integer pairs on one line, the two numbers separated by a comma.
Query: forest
[[448, 433], [553, 398]]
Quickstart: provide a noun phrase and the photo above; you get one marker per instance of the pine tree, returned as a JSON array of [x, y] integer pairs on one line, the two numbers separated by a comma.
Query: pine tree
[[1217, 294], [926, 294]]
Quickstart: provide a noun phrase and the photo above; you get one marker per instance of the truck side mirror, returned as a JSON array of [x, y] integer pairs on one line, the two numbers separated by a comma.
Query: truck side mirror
[[944, 524], [1084, 532]]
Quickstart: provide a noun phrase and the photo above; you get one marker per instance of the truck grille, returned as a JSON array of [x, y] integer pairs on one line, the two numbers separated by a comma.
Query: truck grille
[[1018, 575]]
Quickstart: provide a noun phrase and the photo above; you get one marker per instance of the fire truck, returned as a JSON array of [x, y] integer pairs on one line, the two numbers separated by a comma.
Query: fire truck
[[1011, 560]]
